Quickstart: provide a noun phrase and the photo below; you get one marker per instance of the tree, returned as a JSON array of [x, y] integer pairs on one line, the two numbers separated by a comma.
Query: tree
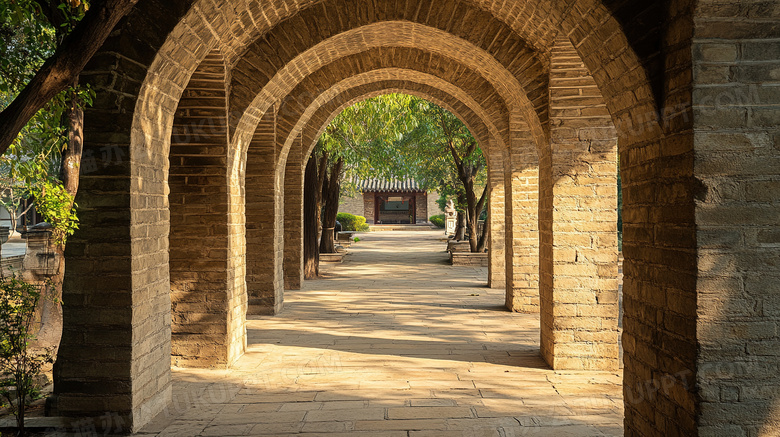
[[311, 193], [442, 154], [60, 70], [357, 144]]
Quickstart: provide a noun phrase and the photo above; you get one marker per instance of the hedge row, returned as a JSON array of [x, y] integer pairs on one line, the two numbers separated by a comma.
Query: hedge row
[[350, 222]]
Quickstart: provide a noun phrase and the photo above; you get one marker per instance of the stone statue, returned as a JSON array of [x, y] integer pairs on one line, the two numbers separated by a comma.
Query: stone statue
[[450, 208]]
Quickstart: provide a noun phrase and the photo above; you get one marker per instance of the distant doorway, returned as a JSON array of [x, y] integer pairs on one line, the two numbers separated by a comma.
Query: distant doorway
[[396, 209]]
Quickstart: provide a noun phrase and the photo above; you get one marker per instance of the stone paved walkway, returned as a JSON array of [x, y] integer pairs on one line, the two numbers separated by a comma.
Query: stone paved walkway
[[394, 342]]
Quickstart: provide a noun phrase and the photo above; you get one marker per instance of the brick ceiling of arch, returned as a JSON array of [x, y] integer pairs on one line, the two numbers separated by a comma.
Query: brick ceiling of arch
[[329, 103], [314, 125], [327, 113], [411, 46], [294, 114], [510, 47]]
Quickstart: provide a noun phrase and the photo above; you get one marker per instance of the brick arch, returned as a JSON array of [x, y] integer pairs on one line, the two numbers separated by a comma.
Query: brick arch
[[376, 38], [332, 22], [486, 121], [143, 70], [366, 65], [329, 103], [327, 112]]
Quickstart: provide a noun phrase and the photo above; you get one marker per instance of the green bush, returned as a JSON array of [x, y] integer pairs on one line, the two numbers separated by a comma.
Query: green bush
[[438, 220], [351, 222]]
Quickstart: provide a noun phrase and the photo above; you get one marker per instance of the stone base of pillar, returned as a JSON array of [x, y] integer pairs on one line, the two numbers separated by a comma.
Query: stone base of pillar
[[259, 307]]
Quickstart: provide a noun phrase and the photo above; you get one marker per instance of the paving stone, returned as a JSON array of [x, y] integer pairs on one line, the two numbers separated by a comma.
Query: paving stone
[[358, 353]]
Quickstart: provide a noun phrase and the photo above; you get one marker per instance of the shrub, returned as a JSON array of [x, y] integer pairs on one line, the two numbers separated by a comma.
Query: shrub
[[438, 220], [351, 222], [20, 365]]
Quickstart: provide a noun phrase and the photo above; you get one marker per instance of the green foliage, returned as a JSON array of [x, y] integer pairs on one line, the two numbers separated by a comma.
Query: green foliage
[[364, 135], [56, 206], [350, 222], [427, 152], [398, 136], [30, 31], [356, 239], [437, 220], [30, 168], [19, 365]]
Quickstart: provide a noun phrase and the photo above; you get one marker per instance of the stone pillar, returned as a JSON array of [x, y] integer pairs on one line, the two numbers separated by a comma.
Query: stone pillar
[[293, 217], [736, 193], [264, 230], [496, 218], [578, 222], [521, 185], [202, 284], [369, 201], [115, 353]]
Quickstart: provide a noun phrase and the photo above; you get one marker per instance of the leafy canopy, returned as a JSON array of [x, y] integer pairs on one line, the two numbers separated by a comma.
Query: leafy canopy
[[29, 33], [399, 136]]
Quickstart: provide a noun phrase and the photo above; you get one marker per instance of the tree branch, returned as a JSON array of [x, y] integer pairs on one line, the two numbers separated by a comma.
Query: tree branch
[[60, 71]]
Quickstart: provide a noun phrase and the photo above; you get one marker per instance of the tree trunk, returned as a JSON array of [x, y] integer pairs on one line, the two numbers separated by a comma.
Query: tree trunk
[[311, 254], [322, 173], [330, 208], [460, 227], [473, 215], [70, 169], [61, 70]]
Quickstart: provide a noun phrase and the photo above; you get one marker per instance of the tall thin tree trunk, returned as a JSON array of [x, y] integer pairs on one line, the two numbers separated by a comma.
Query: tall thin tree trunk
[[330, 207], [311, 253], [70, 169], [473, 216], [322, 173], [484, 235], [460, 229]]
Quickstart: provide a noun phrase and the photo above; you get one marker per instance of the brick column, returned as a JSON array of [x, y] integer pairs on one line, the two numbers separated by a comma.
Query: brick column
[[521, 183], [202, 290], [264, 230], [368, 207], [736, 156], [578, 222], [496, 218], [421, 207], [293, 217]]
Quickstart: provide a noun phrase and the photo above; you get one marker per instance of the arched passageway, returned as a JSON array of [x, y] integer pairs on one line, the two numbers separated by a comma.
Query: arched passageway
[[556, 88], [391, 340]]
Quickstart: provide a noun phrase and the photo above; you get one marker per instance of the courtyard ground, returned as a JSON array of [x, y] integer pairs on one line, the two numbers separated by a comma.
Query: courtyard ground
[[393, 342]]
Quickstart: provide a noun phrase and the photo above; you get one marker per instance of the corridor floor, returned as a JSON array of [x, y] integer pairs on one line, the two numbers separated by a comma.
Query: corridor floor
[[393, 342]]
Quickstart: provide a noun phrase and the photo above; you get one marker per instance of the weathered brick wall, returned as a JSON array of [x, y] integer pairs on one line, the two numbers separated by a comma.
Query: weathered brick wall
[[521, 182], [293, 217], [736, 60], [656, 164], [421, 207], [578, 222], [433, 207], [352, 204], [369, 206], [265, 278], [496, 216], [198, 203]]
